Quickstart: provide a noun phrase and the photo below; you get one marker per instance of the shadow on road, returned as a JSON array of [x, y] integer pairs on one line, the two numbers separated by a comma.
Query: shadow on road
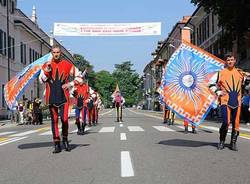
[[186, 143], [46, 144]]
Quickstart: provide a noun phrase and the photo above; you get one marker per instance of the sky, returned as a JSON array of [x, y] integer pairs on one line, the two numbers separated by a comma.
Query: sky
[[104, 52]]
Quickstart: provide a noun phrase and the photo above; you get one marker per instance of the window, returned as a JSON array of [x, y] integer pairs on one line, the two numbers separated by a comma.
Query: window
[[4, 44], [3, 100], [9, 47], [12, 7], [1, 41], [4, 2], [23, 53], [13, 48], [30, 55]]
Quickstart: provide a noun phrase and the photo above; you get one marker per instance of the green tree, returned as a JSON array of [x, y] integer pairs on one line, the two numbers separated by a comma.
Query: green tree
[[104, 83], [233, 15], [128, 81]]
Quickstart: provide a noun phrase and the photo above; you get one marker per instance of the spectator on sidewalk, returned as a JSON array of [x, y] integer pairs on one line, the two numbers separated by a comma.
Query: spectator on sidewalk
[[20, 109], [36, 111], [245, 107]]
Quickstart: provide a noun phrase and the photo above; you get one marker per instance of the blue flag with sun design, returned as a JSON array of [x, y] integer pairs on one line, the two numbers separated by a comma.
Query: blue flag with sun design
[[184, 87]]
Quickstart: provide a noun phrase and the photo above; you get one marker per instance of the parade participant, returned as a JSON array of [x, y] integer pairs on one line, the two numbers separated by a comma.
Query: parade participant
[[98, 107], [91, 107], [166, 115], [185, 122], [227, 85], [245, 107], [55, 73], [118, 100], [81, 94]]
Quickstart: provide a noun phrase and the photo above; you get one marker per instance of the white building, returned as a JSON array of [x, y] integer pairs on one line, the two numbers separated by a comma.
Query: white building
[[21, 43]]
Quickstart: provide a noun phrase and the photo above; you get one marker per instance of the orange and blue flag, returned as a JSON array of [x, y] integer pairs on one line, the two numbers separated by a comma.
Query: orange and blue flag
[[15, 88], [185, 82]]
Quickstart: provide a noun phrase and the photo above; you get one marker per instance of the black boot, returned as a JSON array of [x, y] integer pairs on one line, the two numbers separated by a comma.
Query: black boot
[[234, 136], [83, 128], [79, 131], [57, 147], [186, 130], [223, 134], [66, 144], [193, 130]]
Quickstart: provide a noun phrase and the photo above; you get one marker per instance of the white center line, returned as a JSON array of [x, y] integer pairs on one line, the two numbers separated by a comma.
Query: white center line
[[24, 133], [123, 137], [107, 129], [12, 140], [6, 133], [126, 165], [46, 133], [135, 129]]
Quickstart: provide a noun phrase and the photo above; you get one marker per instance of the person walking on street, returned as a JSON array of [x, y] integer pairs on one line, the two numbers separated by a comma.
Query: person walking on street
[[118, 100], [55, 74], [227, 85]]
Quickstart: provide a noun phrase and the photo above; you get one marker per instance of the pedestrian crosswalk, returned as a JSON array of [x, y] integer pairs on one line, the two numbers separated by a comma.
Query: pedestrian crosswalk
[[14, 136]]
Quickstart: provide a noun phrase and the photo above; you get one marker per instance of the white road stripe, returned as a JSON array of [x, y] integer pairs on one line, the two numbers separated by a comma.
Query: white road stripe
[[123, 137], [106, 112], [121, 125], [179, 126], [6, 133], [46, 133], [210, 128], [126, 165], [163, 129], [107, 129], [12, 140], [24, 133], [245, 129], [86, 129], [135, 129]]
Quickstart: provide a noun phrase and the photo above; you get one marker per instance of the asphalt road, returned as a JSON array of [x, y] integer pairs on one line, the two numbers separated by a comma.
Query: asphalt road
[[140, 150]]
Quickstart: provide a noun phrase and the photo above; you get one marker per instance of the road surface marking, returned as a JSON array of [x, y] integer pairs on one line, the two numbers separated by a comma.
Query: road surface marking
[[107, 129], [46, 133], [163, 129], [121, 125], [179, 126], [12, 140], [6, 133], [86, 129], [123, 137], [135, 129], [24, 133], [126, 165], [106, 112]]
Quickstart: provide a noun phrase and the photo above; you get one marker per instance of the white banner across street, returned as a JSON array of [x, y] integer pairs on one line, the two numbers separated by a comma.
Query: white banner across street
[[107, 29]]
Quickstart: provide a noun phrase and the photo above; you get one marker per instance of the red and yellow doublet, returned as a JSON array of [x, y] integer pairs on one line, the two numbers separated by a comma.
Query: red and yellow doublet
[[81, 94], [59, 75]]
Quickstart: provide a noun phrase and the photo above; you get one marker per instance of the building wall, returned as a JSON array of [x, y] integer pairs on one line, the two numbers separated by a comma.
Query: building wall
[[28, 43], [207, 35]]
